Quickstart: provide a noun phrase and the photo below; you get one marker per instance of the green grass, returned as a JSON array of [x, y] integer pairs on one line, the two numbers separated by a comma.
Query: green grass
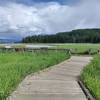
[[16, 65], [91, 77], [80, 47], [77, 48]]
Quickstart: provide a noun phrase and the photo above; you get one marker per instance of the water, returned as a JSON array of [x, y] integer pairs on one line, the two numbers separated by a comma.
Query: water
[[26, 45], [37, 46]]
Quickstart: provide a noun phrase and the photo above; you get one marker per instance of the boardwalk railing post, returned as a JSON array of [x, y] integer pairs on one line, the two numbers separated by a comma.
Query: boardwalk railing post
[[98, 51], [69, 52], [89, 51]]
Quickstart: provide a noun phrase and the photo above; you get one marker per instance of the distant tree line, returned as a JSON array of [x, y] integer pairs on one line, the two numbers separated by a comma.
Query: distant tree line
[[75, 36]]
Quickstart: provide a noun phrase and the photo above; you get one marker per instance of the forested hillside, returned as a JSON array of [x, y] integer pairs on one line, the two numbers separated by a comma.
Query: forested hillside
[[75, 36]]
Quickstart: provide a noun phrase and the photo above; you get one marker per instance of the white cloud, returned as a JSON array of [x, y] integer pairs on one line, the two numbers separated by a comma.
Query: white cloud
[[21, 20]]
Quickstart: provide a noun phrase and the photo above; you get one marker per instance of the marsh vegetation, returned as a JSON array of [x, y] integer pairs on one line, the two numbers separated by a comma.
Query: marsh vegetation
[[91, 76], [14, 66]]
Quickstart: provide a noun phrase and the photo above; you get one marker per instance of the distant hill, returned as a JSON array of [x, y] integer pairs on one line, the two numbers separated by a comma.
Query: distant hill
[[8, 40], [74, 36]]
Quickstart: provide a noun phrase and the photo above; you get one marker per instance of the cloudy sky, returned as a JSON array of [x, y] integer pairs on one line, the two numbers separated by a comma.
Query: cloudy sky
[[20, 18]]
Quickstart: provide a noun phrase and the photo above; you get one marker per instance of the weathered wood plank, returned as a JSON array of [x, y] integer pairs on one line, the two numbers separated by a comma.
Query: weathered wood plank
[[56, 83]]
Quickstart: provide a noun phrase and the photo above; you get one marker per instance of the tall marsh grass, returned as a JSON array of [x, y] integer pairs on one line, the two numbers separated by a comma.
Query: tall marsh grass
[[91, 77], [14, 66]]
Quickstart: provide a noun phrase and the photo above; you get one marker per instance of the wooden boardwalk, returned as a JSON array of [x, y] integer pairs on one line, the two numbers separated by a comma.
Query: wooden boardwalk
[[56, 83]]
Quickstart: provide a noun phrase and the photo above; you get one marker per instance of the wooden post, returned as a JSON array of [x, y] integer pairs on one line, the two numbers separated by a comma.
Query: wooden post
[[89, 51], [98, 50]]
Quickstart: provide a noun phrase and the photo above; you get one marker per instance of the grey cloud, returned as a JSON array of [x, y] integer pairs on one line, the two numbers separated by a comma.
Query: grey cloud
[[21, 20]]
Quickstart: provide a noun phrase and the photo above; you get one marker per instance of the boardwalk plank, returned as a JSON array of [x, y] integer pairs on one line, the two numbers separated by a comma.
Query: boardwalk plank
[[57, 83]]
